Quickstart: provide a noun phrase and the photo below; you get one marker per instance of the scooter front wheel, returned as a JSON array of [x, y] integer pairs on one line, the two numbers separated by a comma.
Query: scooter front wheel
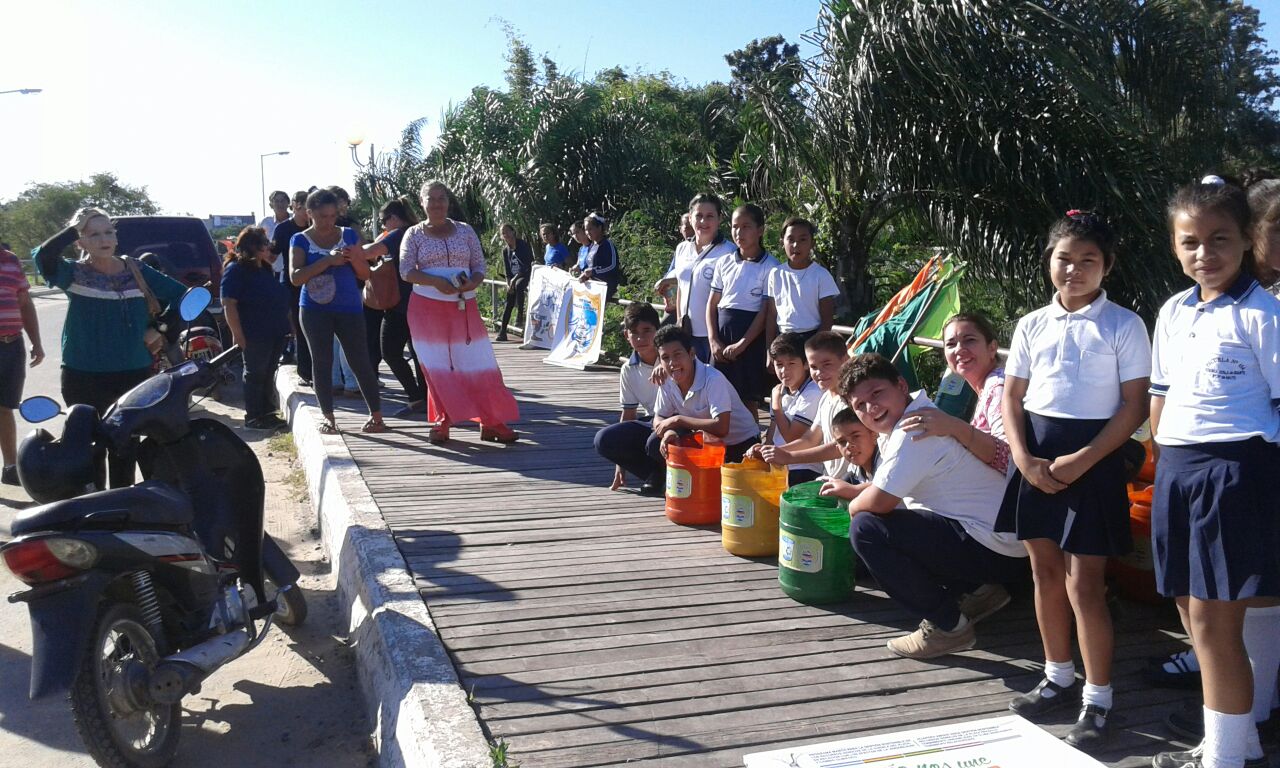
[[113, 712]]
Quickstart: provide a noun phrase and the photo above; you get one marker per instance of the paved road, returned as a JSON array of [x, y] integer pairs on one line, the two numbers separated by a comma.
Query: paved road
[[292, 701]]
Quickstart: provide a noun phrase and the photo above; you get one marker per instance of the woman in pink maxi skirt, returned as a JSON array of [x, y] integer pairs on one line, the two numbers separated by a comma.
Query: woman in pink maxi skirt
[[442, 259]]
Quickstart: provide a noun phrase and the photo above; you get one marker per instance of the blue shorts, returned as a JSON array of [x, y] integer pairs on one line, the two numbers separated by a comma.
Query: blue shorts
[[1215, 520]]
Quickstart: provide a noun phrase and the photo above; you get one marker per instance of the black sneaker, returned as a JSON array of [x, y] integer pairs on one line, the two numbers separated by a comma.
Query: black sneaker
[[650, 489], [1182, 676], [1188, 721], [1090, 732], [9, 475], [1034, 703], [272, 422]]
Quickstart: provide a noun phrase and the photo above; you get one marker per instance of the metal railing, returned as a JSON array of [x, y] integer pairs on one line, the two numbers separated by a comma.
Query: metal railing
[[844, 330]]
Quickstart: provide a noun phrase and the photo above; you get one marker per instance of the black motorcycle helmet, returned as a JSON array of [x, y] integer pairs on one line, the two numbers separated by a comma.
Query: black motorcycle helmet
[[51, 470]]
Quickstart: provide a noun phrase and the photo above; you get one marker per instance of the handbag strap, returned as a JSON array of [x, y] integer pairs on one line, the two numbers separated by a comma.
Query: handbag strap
[[153, 306]]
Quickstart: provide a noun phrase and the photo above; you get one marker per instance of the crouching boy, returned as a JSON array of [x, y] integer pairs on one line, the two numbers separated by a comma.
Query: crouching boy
[[696, 398], [624, 443]]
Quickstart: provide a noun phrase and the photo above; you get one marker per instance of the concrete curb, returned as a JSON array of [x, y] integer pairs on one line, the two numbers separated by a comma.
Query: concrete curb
[[411, 692]]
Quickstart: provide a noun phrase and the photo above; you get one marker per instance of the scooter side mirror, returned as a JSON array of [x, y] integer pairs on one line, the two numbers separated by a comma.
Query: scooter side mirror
[[39, 408], [194, 301]]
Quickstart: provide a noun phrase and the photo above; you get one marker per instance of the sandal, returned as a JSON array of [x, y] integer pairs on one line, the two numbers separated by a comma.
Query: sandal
[[328, 428], [438, 434], [374, 426]]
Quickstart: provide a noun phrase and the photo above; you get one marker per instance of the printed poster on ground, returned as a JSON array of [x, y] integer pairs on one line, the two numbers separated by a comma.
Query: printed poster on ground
[[999, 742]]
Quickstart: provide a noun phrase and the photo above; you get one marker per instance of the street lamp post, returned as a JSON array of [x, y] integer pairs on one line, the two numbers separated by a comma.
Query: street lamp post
[[24, 90], [262, 177]]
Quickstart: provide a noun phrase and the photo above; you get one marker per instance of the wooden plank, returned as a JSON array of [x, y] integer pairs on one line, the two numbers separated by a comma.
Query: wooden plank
[[590, 630]]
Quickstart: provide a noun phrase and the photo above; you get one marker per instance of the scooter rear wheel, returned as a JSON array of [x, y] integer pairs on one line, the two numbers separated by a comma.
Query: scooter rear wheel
[[112, 710], [291, 605]]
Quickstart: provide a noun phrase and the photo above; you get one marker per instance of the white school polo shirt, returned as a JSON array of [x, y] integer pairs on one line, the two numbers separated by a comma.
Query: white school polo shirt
[[828, 406], [940, 475], [710, 395], [796, 293], [635, 389], [692, 269], [1075, 361], [801, 407], [1217, 366], [741, 283]]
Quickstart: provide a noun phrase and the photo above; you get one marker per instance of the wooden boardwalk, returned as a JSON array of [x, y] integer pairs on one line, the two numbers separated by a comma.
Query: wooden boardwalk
[[590, 631]]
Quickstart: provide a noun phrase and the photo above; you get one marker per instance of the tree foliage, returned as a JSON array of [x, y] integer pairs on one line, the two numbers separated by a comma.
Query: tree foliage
[[917, 124], [42, 210]]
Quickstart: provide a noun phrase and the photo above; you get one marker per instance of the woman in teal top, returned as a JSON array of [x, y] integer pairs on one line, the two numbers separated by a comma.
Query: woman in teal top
[[103, 353]]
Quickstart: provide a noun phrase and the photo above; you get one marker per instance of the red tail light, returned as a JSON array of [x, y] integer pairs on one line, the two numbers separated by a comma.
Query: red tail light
[[35, 562]]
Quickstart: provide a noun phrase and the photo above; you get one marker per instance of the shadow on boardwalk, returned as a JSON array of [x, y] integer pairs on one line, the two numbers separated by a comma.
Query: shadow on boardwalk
[[589, 630]]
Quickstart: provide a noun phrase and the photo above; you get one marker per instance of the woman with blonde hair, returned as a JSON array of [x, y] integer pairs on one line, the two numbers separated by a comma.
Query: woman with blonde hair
[[443, 260], [104, 338]]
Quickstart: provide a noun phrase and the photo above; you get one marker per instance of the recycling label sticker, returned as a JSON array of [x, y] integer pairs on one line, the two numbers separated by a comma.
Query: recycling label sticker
[[679, 483], [799, 553], [737, 511]]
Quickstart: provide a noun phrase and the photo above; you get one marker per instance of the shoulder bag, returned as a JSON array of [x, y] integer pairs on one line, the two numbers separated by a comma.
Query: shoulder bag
[[152, 338]]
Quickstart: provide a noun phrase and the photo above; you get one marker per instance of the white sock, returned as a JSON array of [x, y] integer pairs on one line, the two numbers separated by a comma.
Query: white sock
[[1060, 673], [1188, 658], [1262, 642], [1097, 695], [1225, 737], [1253, 745], [964, 622]]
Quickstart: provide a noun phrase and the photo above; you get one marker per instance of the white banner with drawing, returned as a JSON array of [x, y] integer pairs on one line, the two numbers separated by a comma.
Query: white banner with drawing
[[564, 316]]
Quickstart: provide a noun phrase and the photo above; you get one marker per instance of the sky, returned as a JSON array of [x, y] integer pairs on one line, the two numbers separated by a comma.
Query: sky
[[182, 97]]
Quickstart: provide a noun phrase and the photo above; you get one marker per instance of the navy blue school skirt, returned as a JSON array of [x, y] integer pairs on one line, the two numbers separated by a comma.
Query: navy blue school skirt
[[747, 372], [1215, 520], [1088, 517]]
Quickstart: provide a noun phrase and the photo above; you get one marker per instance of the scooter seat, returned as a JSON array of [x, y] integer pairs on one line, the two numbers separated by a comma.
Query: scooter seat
[[148, 503]]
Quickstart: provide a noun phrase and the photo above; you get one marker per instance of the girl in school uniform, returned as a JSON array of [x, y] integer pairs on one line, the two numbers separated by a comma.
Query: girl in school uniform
[[1215, 522], [735, 322], [1075, 385]]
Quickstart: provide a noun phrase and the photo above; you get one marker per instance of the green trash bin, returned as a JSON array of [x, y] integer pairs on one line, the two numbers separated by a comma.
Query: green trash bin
[[815, 559]]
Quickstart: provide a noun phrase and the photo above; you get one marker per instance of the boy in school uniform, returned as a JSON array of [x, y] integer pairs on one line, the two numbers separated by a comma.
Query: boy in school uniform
[[924, 525], [800, 296], [696, 398], [794, 402], [624, 443], [826, 353]]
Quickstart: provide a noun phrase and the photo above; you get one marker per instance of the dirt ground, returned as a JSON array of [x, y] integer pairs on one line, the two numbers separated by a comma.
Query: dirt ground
[[293, 701]]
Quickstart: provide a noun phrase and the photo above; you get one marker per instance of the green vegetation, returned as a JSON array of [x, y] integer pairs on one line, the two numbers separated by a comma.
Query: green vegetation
[[916, 126], [43, 210]]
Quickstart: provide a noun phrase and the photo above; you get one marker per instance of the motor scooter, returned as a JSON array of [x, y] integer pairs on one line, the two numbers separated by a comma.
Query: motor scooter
[[138, 594]]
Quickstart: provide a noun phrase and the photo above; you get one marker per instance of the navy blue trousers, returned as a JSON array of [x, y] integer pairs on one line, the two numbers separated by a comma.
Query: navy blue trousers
[[926, 561]]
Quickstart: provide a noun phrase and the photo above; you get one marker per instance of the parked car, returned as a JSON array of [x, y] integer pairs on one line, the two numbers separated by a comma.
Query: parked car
[[182, 246]]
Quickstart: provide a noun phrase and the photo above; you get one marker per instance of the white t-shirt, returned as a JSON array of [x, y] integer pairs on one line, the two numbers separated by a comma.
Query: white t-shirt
[[635, 389], [796, 293], [940, 475], [710, 395], [1217, 365], [269, 224], [742, 283], [692, 269], [801, 407], [828, 406], [1075, 362]]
